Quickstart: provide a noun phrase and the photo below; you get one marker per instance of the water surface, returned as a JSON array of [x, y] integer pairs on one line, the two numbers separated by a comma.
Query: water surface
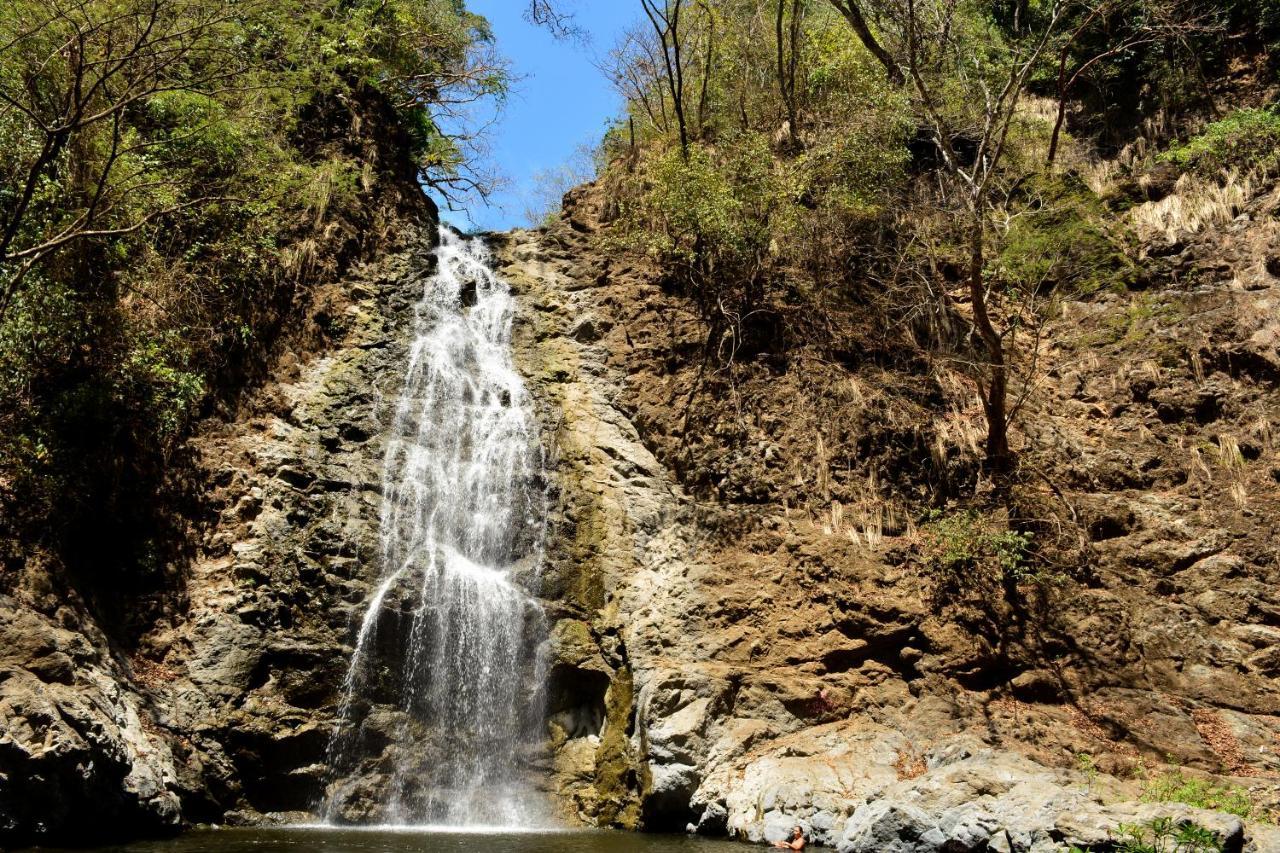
[[404, 841]]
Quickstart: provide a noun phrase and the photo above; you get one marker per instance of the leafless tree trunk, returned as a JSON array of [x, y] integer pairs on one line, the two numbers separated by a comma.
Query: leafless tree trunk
[[664, 17], [996, 391], [788, 59], [708, 65]]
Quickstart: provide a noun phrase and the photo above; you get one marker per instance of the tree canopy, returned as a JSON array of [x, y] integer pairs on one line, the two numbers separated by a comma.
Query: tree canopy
[[170, 170]]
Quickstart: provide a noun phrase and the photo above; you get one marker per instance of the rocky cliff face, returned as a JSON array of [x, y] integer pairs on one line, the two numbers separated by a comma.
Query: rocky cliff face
[[735, 659], [223, 710], [743, 638], [254, 667]]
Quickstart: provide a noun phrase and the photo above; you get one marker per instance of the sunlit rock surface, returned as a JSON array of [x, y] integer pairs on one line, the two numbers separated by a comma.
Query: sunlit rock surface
[[779, 671], [733, 649]]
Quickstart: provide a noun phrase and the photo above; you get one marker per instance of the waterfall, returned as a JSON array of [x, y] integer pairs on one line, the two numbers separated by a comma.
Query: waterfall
[[449, 637]]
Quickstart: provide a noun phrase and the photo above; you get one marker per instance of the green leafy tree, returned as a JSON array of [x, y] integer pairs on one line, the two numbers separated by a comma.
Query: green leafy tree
[[170, 172]]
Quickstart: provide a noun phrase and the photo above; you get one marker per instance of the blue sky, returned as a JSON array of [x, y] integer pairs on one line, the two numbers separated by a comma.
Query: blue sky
[[562, 101]]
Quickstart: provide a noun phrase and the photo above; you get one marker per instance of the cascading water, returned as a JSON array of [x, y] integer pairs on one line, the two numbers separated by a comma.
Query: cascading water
[[448, 637]]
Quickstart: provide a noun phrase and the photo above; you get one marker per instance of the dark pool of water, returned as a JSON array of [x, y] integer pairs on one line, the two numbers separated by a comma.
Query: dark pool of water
[[404, 841]]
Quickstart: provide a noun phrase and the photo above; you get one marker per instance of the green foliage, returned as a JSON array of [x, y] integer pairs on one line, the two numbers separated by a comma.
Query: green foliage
[[1247, 142], [711, 207], [1177, 787], [1061, 239], [755, 214], [155, 377], [240, 165], [1258, 21], [967, 545], [1087, 765], [1163, 835]]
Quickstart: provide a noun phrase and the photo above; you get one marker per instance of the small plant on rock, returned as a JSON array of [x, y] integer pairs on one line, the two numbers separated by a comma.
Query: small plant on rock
[[1176, 787], [1087, 765], [1161, 835], [966, 544], [1165, 835]]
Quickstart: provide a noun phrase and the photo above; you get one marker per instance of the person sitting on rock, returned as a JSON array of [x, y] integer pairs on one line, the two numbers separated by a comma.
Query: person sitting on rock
[[795, 842]]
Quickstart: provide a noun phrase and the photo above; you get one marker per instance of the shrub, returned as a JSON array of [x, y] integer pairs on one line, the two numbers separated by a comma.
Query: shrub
[[1176, 787], [1247, 142], [965, 546], [1163, 835], [710, 218], [709, 207]]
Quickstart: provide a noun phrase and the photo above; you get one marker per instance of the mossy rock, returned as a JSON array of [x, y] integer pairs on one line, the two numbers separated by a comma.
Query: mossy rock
[[1066, 240]]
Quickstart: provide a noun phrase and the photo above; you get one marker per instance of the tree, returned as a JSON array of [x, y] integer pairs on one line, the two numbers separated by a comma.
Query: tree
[[664, 17], [1124, 27], [852, 13], [967, 100], [551, 185], [976, 174], [79, 78], [171, 171], [634, 66], [73, 67]]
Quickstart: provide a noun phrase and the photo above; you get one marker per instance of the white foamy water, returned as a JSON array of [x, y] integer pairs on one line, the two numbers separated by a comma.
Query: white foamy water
[[448, 635]]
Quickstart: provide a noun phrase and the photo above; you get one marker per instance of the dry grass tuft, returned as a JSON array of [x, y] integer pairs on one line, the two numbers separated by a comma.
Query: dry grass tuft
[[821, 468], [1197, 367], [1261, 430], [1198, 464], [298, 259], [1100, 175], [1229, 455], [1195, 204], [868, 519], [962, 426]]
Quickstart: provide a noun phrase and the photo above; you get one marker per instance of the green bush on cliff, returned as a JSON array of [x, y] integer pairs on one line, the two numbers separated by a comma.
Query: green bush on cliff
[[1177, 787], [968, 546], [708, 209], [1246, 142]]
